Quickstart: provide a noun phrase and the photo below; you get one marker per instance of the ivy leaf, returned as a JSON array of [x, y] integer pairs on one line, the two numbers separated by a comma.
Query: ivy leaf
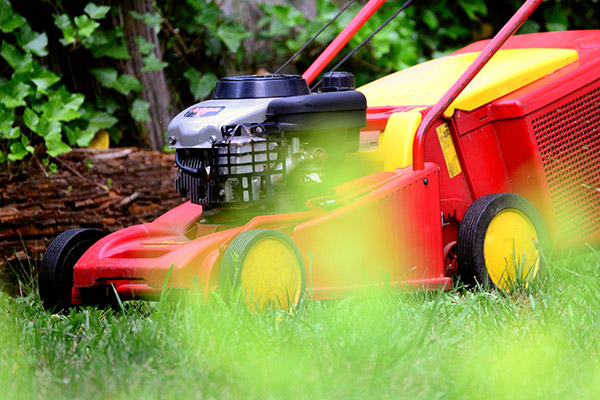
[[232, 36], [139, 110], [31, 119], [143, 45], [151, 63], [21, 63], [106, 76], [50, 131], [201, 85], [63, 22], [114, 48], [472, 7], [124, 84], [43, 78], [96, 12], [430, 19], [62, 105], [13, 93], [148, 18], [85, 25], [38, 45], [9, 20], [555, 19], [127, 83], [17, 151], [99, 120], [7, 117]]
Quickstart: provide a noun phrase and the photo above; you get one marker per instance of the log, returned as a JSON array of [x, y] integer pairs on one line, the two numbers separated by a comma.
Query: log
[[114, 189]]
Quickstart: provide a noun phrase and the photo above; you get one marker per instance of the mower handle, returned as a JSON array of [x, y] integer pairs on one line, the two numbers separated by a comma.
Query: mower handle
[[456, 89]]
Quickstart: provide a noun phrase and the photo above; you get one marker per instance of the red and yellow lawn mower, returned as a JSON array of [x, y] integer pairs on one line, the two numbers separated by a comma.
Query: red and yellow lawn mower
[[467, 164]]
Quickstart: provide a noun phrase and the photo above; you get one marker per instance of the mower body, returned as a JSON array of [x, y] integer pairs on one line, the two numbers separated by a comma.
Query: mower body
[[529, 123]]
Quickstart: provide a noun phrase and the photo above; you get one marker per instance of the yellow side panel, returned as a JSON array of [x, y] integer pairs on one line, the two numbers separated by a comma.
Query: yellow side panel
[[425, 83], [394, 149]]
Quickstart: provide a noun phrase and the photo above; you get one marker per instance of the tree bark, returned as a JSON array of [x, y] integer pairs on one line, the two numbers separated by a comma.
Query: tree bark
[[155, 90]]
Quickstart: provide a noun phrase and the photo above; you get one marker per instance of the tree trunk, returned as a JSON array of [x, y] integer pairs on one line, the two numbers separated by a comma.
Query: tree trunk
[[155, 86]]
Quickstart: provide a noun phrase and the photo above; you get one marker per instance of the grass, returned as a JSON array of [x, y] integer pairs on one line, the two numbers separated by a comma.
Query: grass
[[539, 342]]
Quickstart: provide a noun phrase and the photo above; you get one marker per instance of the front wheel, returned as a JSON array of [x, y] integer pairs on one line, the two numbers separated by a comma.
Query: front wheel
[[499, 241], [266, 266], [55, 280]]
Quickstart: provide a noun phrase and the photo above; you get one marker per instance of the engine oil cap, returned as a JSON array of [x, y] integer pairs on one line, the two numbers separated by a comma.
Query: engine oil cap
[[260, 86]]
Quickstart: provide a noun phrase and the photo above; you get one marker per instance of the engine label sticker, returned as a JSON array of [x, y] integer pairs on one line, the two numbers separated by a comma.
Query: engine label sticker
[[452, 163], [198, 112]]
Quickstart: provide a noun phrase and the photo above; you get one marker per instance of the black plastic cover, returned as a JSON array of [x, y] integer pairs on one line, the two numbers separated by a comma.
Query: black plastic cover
[[337, 81], [260, 86], [332, 110]]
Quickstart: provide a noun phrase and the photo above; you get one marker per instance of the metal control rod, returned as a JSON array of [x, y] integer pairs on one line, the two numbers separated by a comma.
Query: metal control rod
[[341, 40]]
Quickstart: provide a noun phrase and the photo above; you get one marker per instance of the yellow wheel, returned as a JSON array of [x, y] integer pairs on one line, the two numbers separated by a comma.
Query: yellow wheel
[[499, 241], [266, 265]]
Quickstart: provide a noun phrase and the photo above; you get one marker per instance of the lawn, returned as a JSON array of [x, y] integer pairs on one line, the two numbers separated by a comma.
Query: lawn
[[541, 342]]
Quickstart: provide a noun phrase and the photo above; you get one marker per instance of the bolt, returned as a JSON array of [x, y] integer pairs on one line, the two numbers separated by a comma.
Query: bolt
[[426, 181], [259, 129], [172, 140], [212, 139]]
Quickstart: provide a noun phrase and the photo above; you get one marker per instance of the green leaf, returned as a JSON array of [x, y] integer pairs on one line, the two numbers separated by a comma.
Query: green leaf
[[7, 117], [200, 85], [123, 84], [47, 129], [106, 76], [430, 19], [148, 18], [62, 105], [56, 146], [31, 119], [96, 12], [13, 93], [99, 120], [38, 45], [43, 78], [232, 36], [139, 110], [9, 20], [25, 143], [127, 83], [85, 25], [21, 63], [151, 63], [554, 18], [12, 133], [17, 151], [115, 48], [63, 22], [472, 7], [143, 45]]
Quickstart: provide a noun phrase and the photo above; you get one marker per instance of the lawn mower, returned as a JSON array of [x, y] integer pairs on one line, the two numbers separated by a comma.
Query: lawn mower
[[474, 164]]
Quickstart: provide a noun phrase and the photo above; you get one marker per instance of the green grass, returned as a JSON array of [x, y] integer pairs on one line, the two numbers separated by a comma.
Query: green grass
[[540, 342]]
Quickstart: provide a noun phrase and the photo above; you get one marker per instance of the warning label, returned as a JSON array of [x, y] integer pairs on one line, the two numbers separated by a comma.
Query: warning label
[[448, 149]]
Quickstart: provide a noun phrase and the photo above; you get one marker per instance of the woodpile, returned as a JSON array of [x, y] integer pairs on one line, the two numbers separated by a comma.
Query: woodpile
[[104, 189]]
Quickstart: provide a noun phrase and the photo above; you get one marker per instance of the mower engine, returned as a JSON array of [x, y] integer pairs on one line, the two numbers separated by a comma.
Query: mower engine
[[265, 134]]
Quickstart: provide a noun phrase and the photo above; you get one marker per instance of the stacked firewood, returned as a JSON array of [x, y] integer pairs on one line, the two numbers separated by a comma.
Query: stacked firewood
[[104, 189]]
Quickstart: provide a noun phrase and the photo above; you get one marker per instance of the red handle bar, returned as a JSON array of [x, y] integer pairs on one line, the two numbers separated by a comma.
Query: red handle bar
[[493, 46]]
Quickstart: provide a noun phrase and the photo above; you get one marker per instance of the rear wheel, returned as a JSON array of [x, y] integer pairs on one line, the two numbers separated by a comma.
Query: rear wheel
[[499, 241], [56, 269], [266, 266]]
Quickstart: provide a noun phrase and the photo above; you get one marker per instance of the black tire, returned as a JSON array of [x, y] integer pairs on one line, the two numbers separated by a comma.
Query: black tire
[[231, 274], [55, 279], [474, 228]]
